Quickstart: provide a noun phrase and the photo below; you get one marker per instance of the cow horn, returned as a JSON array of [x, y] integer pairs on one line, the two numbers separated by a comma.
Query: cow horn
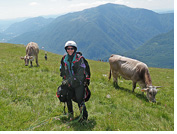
[[157, 86]]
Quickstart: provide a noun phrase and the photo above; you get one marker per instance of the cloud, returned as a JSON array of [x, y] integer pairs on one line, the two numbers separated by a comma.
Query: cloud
[[53, 0], [33, 4], [86, 4]]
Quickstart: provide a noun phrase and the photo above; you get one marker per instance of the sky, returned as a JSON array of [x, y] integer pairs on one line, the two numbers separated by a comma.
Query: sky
[[10, 9]]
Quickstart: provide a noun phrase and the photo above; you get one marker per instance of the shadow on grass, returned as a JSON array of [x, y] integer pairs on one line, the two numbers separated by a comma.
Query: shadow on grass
[[79, 126], [140, 96], [84, 125], [33, 66]]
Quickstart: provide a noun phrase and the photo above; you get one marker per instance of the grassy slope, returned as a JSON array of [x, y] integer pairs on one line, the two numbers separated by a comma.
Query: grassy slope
[[28, 97]]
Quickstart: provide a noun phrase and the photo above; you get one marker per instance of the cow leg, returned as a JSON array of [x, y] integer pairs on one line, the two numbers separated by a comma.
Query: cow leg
[[134, 86], [115, 79], [37, 61], [31, 63]]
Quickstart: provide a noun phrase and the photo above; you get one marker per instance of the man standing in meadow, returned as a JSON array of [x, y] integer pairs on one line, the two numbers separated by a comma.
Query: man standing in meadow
[[75, 78]]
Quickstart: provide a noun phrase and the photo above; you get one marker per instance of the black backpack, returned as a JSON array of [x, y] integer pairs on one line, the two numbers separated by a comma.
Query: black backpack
[[62, 93]]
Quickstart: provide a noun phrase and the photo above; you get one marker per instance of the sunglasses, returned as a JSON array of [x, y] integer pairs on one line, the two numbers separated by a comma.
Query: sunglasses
[[70, 48]]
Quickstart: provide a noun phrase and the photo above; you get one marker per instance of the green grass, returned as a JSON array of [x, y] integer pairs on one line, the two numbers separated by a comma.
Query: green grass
[[28, 98]]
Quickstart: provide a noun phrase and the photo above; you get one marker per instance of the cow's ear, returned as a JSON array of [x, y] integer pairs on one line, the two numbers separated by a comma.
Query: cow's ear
[[22, 58], [144, 90]]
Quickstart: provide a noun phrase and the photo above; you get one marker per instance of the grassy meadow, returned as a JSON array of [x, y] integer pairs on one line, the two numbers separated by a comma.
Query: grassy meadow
[[28, 98]]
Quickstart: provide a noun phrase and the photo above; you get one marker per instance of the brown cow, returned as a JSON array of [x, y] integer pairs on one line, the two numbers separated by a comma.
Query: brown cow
[[134, 70], [32, 51]]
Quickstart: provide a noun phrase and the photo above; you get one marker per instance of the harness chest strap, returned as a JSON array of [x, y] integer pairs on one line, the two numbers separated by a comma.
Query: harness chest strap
[[78, 59]]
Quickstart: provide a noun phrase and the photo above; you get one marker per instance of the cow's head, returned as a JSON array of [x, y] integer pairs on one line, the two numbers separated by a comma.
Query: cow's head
[[26, 59], [151, 92]]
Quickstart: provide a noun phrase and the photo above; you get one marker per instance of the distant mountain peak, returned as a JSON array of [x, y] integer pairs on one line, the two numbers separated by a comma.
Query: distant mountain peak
[[101, 31]]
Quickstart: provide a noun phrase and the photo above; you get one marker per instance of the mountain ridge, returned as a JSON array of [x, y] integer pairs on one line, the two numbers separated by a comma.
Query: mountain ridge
[[28, 25], [156, 52], [101, 31]]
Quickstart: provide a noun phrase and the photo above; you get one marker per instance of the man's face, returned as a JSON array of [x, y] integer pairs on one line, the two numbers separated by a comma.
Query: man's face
[[70, 50]]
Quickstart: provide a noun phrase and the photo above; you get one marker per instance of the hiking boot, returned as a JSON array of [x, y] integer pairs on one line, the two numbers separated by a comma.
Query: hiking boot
[[84, 112], [85, 115]]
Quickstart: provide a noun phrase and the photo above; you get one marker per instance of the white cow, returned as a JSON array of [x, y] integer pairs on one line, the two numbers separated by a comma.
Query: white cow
[[32, 51]]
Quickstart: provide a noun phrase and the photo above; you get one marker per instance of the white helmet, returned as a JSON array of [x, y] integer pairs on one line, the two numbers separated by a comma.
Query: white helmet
[[70, 43]]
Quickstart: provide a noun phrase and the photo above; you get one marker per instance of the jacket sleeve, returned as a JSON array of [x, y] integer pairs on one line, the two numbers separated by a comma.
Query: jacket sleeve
[[62, 69]]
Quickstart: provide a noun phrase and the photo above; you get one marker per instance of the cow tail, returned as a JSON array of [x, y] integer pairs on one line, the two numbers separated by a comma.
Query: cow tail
[[110, 74]]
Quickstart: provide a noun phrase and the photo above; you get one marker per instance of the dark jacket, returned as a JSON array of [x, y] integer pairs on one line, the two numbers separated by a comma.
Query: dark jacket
[[74, 71]]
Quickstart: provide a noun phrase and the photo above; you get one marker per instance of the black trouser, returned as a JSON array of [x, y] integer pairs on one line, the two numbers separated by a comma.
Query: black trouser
[[77, 94]]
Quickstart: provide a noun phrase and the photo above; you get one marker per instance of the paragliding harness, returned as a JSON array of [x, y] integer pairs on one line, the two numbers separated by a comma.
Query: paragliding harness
[[62, 91]]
